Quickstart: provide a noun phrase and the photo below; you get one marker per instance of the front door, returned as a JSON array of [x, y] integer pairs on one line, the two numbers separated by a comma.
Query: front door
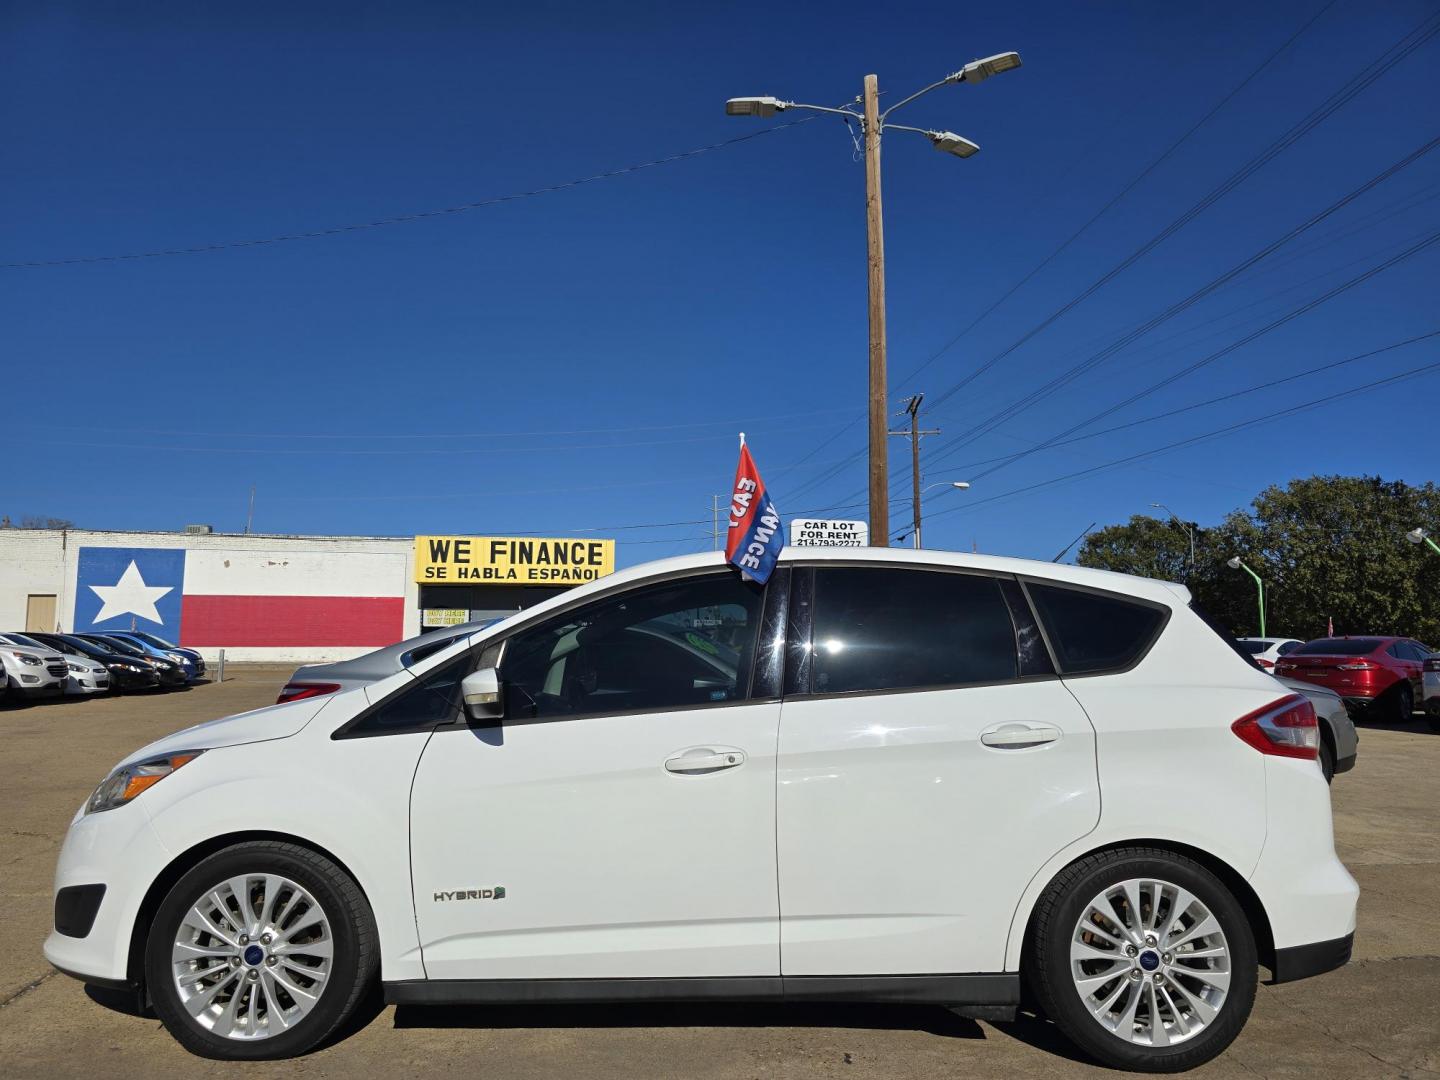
[[620, 821], [930, 763]]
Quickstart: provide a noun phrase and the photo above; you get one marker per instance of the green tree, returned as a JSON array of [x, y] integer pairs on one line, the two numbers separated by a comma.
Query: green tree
[[1328, 547]]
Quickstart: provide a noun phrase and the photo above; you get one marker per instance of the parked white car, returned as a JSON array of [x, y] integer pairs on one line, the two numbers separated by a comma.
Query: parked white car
[[1268, 650], [33, 671], [879, 777], [85, 676]]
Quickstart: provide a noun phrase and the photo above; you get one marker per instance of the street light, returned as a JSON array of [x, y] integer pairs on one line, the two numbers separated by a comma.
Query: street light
[[1184, 525], [872, 122], [1236, 563], [1420, 536], [958, 485]]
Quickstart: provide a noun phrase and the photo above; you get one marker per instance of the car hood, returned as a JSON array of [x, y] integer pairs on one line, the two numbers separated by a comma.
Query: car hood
[[258, 725]]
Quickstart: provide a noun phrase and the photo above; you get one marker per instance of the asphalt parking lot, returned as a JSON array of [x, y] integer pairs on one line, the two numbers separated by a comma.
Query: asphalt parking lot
[[1375, 1018]]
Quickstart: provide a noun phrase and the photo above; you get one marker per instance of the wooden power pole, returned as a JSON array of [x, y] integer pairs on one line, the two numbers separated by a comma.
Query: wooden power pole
[[912, 407], [875, 236]]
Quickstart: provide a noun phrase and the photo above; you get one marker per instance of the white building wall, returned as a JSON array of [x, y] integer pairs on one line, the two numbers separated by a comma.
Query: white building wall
[[46, 561]]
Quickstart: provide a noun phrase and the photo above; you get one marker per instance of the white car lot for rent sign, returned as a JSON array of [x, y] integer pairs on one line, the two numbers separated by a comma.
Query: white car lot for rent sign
[[809, 532]]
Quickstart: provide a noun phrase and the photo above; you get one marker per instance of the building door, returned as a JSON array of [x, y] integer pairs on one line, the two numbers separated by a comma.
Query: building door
[[40, 613]]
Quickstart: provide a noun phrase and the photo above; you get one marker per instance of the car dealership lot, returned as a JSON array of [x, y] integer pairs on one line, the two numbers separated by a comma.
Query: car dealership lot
[[1372, 1018]]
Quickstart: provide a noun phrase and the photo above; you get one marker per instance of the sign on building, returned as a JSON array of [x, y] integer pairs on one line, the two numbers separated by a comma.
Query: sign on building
[[511, 560], [808, 532], [444, 616]]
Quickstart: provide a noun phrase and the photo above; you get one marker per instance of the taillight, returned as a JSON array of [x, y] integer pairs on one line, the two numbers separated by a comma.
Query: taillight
[[1286, 728], [1359, 665], [1264, 663], [296, 690], [1433, 664]]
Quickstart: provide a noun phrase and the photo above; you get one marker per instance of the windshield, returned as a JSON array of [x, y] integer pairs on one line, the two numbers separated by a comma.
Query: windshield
[[1329, 646], [1253, 647], [21, 639], [151, 639], [116, 645]]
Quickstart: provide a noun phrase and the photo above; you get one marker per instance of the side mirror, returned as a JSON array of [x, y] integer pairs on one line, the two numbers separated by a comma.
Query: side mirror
[[481, 692]]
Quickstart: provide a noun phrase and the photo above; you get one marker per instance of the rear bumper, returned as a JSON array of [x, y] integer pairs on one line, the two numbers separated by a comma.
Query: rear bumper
[[1303, 961]]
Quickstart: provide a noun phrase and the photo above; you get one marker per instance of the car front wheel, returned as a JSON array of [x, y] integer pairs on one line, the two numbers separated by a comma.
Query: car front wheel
[[1144, 959], [260, 951]]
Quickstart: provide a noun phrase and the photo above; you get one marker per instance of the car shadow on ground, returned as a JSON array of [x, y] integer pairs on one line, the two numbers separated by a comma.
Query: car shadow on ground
[[1418, 724]]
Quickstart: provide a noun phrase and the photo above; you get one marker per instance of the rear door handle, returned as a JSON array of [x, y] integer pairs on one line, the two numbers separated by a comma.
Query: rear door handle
[[1019, 736], [704, 759]]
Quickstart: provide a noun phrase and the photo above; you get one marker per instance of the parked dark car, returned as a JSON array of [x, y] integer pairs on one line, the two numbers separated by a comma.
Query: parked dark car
[[1383, 676], [126, 672], [171, 673]]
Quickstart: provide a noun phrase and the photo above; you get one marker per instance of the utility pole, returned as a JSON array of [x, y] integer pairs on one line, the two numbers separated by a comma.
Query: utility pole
[[875, 250], [873, 122], [912, 407]]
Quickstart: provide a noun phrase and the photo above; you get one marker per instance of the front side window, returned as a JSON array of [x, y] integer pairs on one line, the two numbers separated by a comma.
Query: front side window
[[433, 699], [1094, 632], [885, 628], [676, 645]]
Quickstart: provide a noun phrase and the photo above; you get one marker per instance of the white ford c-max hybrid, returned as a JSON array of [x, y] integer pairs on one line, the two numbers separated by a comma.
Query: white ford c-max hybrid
[[879, 777]]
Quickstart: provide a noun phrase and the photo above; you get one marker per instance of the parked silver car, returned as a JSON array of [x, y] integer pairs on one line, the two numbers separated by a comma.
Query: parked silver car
[[314, 680], [1339, 742]]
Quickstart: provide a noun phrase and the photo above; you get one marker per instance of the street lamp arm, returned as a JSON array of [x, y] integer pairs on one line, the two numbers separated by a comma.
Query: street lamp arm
[[818, 108], [918, 93]]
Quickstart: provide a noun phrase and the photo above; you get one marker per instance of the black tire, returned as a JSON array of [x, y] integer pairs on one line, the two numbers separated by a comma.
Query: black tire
[[1402, 703], [352, 930], [1327, 759], [1048, 967]]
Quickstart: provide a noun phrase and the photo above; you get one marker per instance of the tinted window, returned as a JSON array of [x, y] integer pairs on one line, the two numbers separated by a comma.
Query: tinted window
[[878, 628], [1288, 648], [1328, 646], [1092, 632], [1254, 648], [433, 699], [1034, 657], [669, 646]]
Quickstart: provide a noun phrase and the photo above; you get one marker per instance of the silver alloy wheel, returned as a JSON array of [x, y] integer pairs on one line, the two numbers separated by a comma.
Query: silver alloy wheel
[[252, 956], [1150, 962]]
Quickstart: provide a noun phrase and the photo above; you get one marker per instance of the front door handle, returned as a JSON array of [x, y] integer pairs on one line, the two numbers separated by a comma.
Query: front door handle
[[704, 759], [1019, 736]]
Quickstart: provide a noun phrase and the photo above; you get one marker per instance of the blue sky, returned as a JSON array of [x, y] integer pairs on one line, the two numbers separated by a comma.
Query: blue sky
[[581, 360]]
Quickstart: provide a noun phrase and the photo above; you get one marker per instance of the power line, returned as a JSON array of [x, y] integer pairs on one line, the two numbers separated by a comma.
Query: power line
[[1094, 360], [403, 219], [1268, 417], [1409, 252], [1134, 182]]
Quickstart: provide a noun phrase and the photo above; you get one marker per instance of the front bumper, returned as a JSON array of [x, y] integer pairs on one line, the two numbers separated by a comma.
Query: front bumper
[[134, 680], [119, 850], [87, 684]]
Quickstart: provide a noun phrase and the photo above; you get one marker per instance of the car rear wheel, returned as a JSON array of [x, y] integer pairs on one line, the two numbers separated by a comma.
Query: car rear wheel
[[1144, 959], [1402, 703], [260, 951]]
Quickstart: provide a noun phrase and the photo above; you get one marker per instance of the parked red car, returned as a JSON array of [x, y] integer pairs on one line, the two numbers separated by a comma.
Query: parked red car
[[1383, 675]]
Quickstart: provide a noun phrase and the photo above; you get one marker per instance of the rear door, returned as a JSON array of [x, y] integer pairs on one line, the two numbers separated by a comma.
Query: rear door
[[930, 762]]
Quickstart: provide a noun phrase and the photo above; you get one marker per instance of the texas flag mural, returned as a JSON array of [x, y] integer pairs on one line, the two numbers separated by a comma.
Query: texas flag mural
[[229, 598], [756, 534]]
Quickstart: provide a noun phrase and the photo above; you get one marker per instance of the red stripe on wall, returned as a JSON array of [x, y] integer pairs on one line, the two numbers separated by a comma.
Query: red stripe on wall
[[257, 621]]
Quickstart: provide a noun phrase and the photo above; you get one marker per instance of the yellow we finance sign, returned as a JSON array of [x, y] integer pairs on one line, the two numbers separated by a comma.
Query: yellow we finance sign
[[511, 560]]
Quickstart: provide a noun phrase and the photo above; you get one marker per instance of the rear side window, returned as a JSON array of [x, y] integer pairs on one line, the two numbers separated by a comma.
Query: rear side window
[[1093, 632], [882, 628]]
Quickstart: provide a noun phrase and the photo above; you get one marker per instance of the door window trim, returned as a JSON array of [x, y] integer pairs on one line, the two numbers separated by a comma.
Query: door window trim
[[800, 664], [1166, 612]]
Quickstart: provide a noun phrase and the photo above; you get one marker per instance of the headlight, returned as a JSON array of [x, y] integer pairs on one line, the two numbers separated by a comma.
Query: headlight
[[34, 661], [124, 784], [177, 658], [124, 665], [78, 669]]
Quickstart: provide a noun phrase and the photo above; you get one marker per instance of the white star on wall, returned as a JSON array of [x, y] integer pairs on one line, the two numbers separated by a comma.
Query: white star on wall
[[130, 596]]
